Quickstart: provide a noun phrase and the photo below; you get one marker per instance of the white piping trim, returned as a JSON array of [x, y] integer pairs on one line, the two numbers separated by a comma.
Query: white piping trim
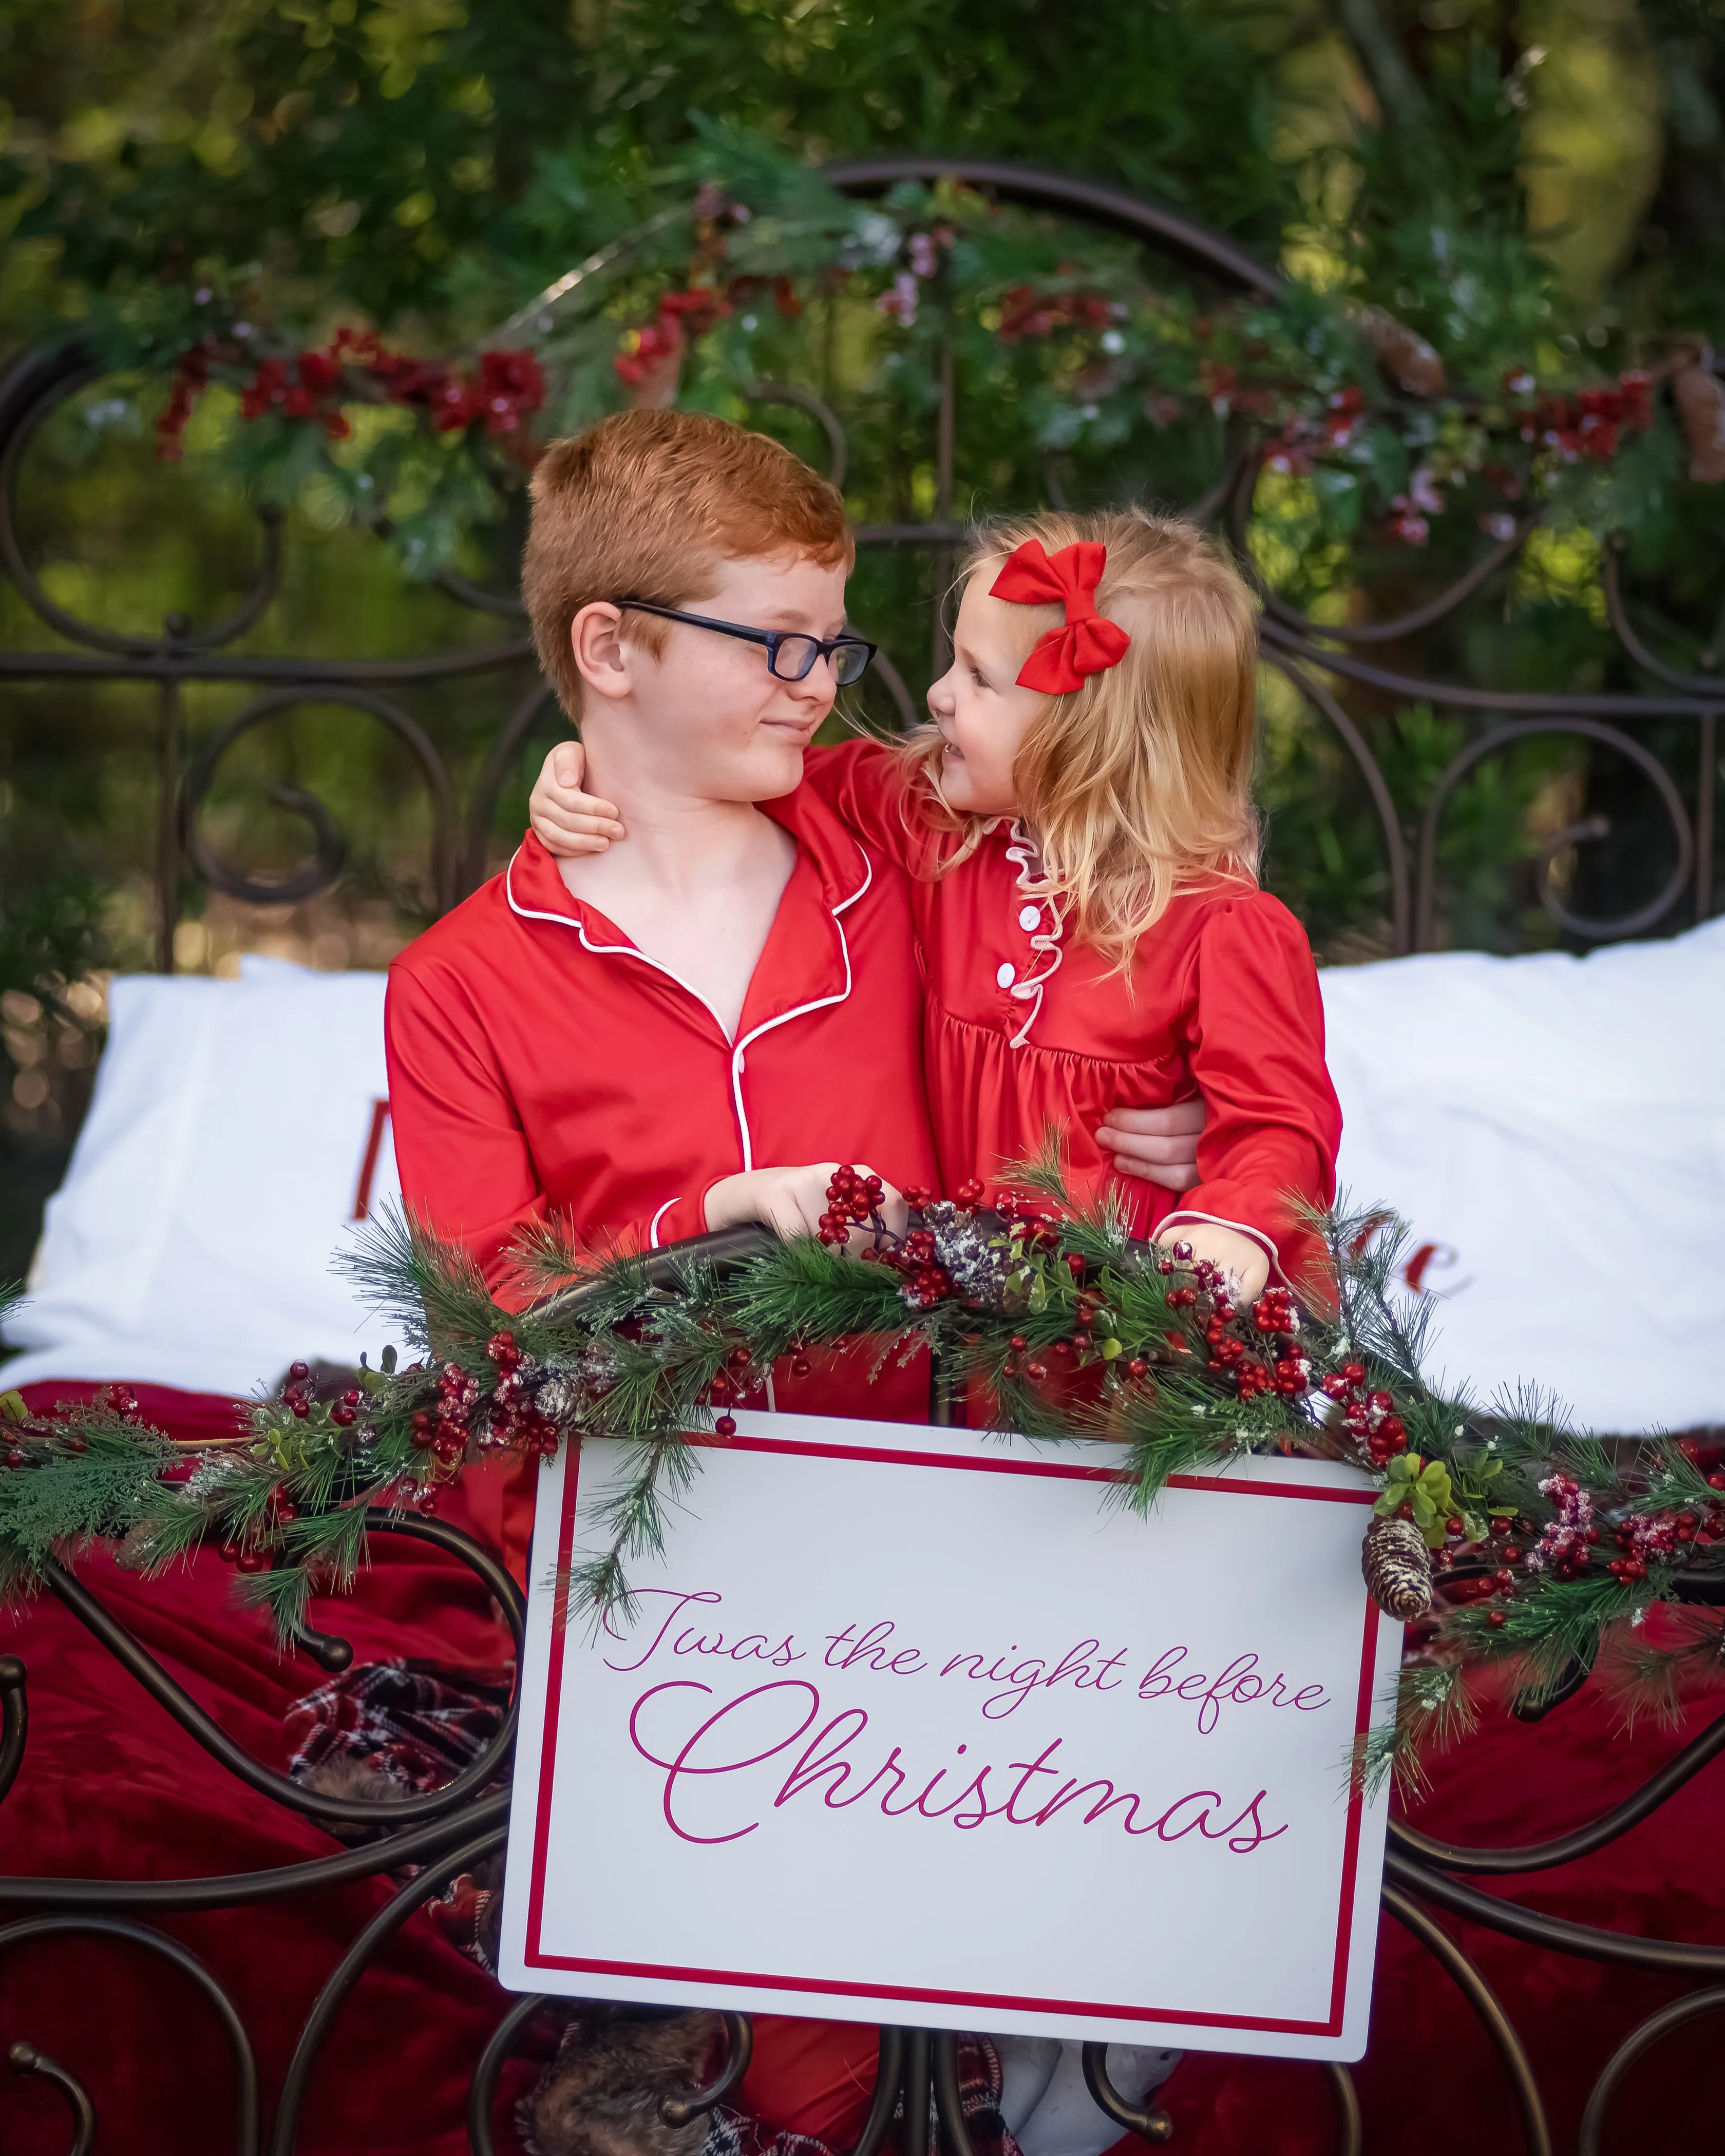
[[653, 1231], [1265, 1243], [1023, 850], [605, 950], [801, 1011], [631, 951], [868, 878]]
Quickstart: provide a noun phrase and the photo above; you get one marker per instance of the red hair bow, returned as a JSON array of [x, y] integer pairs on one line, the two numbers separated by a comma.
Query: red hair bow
[[1090, 643]]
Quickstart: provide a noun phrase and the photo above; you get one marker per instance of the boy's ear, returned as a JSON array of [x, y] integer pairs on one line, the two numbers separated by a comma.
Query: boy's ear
[[600, 656]]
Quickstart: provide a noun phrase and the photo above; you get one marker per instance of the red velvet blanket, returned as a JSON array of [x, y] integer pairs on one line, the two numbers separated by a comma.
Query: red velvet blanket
[[110, 1787]]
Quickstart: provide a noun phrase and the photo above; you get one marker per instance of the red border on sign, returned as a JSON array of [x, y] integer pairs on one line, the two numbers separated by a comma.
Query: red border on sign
[[535, 1957]]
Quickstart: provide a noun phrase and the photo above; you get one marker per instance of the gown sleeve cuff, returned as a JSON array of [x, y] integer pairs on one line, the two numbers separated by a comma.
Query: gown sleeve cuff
[[681, 1217]]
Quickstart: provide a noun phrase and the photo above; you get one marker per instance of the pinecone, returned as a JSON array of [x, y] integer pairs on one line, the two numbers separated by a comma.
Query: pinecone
[[1405, 356], [559, 1395], [1397, 1566], [961, 1245], [564, 1390], [1700, 398]]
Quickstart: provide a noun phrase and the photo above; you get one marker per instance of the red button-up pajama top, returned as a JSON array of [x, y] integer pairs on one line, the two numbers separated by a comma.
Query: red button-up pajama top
[[539, 1064], [1025, 1028]]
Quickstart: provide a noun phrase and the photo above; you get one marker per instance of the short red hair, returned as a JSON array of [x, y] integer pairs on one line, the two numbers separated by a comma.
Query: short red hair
[[647, 504]]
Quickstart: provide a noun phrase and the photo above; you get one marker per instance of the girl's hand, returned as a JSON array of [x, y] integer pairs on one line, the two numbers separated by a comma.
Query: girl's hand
[[566, 821], [1244, 1262], [791, 1200], [1160, 1144]]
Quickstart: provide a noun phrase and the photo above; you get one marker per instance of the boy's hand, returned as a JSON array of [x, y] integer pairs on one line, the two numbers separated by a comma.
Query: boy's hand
[[791, 1200], [1160, 1144], [566, 821], [1244, 1262]]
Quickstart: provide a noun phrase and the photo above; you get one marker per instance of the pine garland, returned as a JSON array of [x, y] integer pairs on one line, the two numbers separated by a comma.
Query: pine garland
[[1060, 328], [1046, 1308]]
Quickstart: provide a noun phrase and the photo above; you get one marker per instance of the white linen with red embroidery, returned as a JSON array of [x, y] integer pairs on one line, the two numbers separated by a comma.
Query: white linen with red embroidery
[[1553, 1128], [236, 1129]]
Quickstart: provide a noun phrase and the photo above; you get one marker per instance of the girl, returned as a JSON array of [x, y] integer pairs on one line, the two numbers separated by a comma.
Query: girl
[[1078, 821]]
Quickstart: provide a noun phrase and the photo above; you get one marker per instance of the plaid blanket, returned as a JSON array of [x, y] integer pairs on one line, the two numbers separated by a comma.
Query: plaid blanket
[[416, 1723]]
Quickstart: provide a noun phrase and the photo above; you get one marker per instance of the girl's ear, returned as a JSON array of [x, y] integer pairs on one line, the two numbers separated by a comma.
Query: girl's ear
[[600, 656]]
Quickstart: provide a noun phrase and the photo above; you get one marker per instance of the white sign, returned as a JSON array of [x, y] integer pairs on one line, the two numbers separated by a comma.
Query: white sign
[[911, 1728]]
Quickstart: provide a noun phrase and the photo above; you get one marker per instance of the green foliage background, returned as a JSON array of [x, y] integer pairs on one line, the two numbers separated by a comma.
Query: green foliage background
[[1540, 184]]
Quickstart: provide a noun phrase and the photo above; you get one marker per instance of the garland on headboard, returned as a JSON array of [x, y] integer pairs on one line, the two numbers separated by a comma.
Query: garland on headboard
[[1503, 1538]]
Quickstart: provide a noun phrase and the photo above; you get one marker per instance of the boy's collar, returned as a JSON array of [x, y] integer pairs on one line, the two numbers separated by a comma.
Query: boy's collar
[[534, 885], [845, 868], [833, 850]]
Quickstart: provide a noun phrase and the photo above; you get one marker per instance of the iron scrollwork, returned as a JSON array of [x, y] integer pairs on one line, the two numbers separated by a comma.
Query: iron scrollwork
[[1310, 655], [1333, 667]]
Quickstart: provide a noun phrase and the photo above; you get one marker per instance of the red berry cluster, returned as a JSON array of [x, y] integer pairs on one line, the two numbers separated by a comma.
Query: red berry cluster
[[443, 1429], [1274, 1312], [853, 1199], [1567, 1546], [1026, 312], [190, 381], [516, 1417], [257, 1554], [293, 1395], [653, 352], [1287, 1372], [243, 1557], [298, 1399], [1303, 436], [1658, 1538], [1274, 1323], [1369, 1416], [735, 1379], [1027, 1229], [1590, 424], [1484, 1588], [506, 387], [927, 1280], [308, 387], [1066, 1353], [14, 1454]]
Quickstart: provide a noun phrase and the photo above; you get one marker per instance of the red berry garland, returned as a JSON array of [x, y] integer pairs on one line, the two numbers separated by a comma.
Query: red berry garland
[[852, 1200], [505, 389]]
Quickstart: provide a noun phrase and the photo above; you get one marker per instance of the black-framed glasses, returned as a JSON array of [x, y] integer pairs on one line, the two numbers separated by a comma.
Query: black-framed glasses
[[790, 655]]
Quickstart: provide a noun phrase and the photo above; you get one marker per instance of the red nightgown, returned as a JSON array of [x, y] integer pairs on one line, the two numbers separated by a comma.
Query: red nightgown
[[1025, 1029]]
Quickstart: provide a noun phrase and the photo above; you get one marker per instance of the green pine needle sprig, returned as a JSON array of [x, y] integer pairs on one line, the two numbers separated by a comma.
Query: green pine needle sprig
[[1089, 1338]]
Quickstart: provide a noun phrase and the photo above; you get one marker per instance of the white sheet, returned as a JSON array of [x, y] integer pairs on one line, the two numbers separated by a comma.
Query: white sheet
[[219, 1166], [1553, 1128]]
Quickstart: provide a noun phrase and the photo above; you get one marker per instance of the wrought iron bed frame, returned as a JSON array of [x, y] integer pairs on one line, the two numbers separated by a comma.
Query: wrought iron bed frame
[[449, 1831]]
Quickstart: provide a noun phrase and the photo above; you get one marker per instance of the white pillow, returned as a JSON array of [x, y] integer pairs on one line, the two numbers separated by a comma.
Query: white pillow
[[235, 1129], [1554, 1130]]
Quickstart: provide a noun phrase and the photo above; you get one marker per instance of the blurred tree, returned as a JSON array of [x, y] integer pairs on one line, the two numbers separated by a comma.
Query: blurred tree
[[413, 159], [1537, 182], [404, 156]]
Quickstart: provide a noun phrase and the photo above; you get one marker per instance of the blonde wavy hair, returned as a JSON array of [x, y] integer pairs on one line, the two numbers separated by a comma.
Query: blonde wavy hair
[[1136, 786]]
